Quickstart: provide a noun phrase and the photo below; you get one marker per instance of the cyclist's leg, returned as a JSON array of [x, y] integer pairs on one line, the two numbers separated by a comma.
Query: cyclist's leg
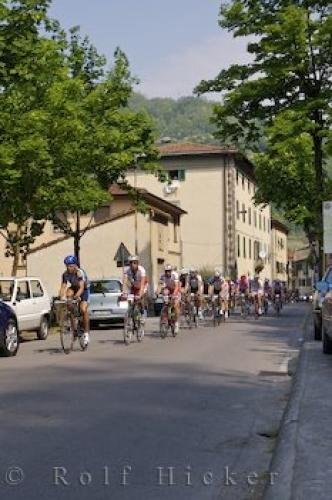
[[84, 307]]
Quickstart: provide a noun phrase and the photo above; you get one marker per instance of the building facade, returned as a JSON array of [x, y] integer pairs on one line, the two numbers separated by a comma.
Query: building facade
[[156, 233], [215, 186], [279, 253]]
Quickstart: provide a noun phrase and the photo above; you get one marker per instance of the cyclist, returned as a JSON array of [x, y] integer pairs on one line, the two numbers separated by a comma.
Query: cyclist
[[276, 288], [135, 282], [75, 285], [183, 278], [256, 291], [243, 285], [169, 282], [215, 286], [196, 287]]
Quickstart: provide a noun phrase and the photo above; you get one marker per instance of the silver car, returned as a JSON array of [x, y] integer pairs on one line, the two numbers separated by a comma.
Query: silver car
[[106, 305]]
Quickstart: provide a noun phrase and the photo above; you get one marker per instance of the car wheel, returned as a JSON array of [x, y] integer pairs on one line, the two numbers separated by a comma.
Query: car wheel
[[327, 343], [10, 340], [318, 330], [42, 332]]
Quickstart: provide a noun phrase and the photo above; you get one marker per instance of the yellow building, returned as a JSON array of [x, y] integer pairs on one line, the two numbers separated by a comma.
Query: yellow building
[[158, 241], [215, 186], [279, 256]]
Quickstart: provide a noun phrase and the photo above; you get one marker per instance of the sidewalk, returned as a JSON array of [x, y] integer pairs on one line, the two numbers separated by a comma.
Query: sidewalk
[[303, 456]]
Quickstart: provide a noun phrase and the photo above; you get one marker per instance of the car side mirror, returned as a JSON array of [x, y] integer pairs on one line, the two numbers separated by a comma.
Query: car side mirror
[[322, 286]]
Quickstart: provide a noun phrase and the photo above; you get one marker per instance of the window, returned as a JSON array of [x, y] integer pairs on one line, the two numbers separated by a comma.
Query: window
[[105, 286], [264, 223], [237, 210], [255, 218], [249, 248], [238, 247], [6, 290], [243, 212], [237, 177], [177, 175], [36, 289], [244, 248], [23, 292], [249, 216], [260, 221], [243, 180], [256, 250], [249, 186]]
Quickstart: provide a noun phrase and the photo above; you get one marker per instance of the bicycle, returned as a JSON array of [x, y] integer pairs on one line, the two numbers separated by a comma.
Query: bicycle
[[70, 320], [245, 306], [167, 317], [217, 314], [277, 303], [133, 324]]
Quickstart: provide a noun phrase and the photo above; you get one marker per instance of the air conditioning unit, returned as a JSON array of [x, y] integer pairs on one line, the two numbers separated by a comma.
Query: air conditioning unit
[[171, 188]]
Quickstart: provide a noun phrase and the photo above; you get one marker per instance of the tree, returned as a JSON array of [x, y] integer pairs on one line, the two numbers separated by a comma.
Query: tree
[[113, 135], [290, 71], [66, 132]]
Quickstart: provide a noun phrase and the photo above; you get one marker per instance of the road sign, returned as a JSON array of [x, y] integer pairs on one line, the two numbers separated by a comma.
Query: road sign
[[122, 255], [327, 224]]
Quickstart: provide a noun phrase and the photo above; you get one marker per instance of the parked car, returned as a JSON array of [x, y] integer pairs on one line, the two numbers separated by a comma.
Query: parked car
[[9, 337], [322, 311], [29, 300], [105, 301]]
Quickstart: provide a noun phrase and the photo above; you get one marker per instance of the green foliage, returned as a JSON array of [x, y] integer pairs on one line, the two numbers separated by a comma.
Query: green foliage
[[65, 126], [287, 88], [184, 119]]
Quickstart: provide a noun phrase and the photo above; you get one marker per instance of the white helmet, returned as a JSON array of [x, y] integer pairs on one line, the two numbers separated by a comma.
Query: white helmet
[[168, 267], [193, 269], [133, 258], [184, 271], [217, 273]]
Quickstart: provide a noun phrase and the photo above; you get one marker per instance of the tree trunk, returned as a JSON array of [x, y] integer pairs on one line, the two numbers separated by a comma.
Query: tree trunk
[[77, 237], [16, 260]]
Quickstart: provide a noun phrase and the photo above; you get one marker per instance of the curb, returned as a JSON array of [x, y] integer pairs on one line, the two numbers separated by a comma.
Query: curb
[[284, 456]]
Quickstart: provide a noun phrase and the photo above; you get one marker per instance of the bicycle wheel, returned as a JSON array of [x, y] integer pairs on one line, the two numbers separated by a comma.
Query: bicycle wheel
[[80, 334], [127, 331], [139, 331], [67, 336], [163, 329]]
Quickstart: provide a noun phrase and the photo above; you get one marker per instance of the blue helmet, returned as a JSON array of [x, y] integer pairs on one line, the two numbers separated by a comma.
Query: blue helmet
[[70, 260]]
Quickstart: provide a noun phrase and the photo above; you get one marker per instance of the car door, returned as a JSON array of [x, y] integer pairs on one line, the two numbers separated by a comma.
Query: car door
[[39, 304], [23, 305]]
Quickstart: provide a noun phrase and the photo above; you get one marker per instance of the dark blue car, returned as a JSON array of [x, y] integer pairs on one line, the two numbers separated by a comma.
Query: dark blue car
[[9, 336]]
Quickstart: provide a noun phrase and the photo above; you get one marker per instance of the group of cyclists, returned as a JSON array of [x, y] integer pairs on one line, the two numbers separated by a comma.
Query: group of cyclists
[[182, 288]]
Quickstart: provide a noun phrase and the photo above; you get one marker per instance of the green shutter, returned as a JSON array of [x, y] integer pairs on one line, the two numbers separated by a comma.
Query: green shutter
[[182, 175]]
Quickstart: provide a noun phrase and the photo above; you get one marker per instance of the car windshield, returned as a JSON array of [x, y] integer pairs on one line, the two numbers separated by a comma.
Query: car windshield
[[105, 286], [6, 290]]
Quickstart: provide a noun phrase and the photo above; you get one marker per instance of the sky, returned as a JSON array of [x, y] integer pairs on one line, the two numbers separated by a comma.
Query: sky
[[171, 44]]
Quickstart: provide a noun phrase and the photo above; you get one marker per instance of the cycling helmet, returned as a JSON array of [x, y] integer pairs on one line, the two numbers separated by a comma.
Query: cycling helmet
[[217, 273], [168, 267], [133, 258], [71, 260]]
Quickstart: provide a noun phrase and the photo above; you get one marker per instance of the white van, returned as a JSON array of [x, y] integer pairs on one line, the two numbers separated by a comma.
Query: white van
[[30, 301]]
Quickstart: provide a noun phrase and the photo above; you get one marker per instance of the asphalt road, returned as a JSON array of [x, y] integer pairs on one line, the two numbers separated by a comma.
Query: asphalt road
[[108, 423]]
